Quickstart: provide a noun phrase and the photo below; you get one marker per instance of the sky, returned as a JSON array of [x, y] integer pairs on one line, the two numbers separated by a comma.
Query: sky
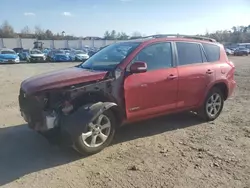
[[94, 17]]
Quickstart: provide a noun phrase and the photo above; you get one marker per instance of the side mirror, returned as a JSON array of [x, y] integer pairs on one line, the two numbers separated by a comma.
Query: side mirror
[[138, 67]]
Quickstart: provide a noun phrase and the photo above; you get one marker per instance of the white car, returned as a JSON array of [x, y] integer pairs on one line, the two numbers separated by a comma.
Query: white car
[[36, 56], [229, 52], [79, 55]]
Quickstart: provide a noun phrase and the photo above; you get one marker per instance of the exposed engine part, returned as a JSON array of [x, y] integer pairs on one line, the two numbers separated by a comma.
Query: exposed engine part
[[67, 107], [51, 120]]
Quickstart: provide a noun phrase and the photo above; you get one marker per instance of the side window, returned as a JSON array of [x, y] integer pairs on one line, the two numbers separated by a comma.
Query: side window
[[212, 51], [188, 53], [157, 56]]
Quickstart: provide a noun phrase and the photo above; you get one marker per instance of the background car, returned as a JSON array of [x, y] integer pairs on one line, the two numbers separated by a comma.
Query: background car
[[241, 52], [18, 50], [67, 49], [46, 51], [244, 49], [24, 54], [91, 52], [67, 52], [58, 56], [79, 55], [229, 52], [36, 56], [8, 56]]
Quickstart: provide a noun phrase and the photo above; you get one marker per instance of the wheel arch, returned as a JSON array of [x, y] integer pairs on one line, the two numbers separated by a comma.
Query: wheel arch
[[222, 85], [224, 89], [100, 96]]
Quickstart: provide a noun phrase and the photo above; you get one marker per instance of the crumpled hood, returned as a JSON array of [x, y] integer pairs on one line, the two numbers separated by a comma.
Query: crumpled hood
[[60, 78], [8, 56]]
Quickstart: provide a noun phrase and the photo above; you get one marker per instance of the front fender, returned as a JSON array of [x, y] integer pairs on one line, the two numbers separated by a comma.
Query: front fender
[[74, 124]]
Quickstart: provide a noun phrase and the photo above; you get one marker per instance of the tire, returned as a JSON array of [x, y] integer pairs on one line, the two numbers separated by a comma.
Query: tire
[[83, 146], [218, 104]]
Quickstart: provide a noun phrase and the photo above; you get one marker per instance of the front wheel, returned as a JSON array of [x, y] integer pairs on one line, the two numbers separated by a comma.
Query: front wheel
[[97, 135], [212, 105]]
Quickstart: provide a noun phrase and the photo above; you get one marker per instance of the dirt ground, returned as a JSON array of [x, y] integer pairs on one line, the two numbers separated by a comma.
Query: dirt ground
[[173, 151]]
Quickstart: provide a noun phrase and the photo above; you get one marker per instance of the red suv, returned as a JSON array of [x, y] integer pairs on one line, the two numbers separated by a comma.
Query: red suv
[[126, 82]]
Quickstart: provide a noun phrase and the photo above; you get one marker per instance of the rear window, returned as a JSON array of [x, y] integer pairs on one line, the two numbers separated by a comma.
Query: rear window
[[8, 52], [212, 51]]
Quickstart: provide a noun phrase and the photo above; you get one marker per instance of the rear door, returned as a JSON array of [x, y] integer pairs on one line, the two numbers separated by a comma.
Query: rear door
[[194, 73], [154, 91], [215, 66]]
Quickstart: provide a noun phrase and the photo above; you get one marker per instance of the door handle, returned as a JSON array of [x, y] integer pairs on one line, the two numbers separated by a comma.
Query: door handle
[[209, 71], [171, 77]]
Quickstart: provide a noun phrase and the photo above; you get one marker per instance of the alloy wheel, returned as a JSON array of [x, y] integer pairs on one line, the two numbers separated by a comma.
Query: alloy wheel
[[97, 132], [213, 105]]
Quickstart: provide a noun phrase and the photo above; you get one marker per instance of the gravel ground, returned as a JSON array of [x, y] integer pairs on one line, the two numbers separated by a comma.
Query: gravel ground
[[172, 151]]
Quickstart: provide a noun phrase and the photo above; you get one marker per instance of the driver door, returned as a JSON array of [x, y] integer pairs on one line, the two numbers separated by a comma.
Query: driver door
[[155, 91]]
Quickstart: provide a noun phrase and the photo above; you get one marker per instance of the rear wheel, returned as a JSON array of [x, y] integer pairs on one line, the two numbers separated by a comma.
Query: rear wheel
[[212, 105], [97, 135]]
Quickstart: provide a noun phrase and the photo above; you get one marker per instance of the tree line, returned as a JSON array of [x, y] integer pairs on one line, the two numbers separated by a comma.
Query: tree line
[[237, 34]]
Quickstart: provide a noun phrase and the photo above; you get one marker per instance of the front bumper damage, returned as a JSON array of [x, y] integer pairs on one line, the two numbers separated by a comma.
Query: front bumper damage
[[65, 129]]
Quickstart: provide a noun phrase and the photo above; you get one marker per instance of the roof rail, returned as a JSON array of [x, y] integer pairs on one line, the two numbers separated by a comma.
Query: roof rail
[[179, 36]]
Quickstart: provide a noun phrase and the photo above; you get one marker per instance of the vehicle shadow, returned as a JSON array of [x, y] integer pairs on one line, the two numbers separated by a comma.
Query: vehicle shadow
[[22, 151], [155, 126]]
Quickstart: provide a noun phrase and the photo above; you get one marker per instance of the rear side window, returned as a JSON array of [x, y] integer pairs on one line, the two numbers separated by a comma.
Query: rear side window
[[188, 53], [212, 51]]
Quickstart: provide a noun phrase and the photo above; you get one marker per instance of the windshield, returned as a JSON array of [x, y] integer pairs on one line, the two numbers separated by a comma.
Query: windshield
[[8, 52], [17, 49], [35, 52], [59, 52], [108, 58], [80, 52]]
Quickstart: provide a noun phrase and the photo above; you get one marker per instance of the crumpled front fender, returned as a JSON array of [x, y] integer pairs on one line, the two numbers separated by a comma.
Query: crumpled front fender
[[74, 124]]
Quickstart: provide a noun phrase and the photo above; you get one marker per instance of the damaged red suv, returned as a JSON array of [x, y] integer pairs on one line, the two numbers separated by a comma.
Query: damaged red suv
[[82, 106]]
